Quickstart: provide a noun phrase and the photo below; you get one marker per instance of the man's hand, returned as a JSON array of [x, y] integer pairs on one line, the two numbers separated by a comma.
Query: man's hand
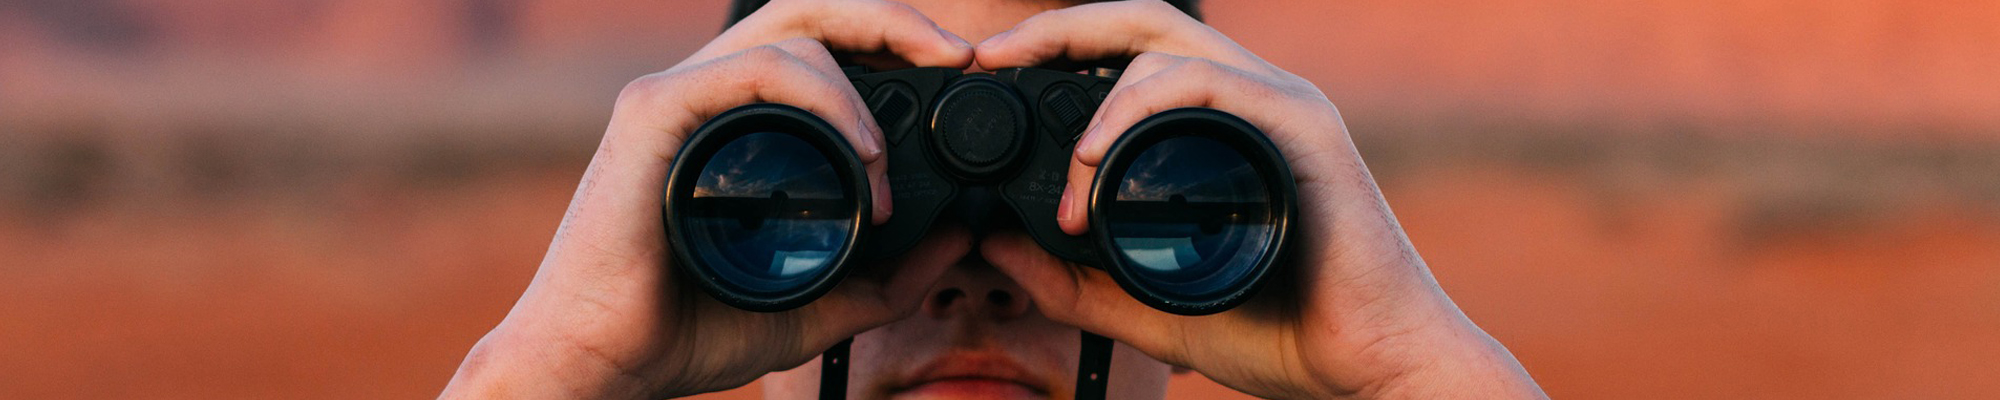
[[1360, 316], [607, 317]]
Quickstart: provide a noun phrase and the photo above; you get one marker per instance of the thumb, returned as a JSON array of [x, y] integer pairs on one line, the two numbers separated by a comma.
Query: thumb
[[1073, 294], [879, 294]]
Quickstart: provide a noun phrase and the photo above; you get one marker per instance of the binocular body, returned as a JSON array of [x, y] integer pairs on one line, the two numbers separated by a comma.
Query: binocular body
[[767, 207]]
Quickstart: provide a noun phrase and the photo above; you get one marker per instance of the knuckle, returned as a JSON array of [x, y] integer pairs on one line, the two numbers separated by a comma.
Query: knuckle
[[1129, 96], [1164, 11], [1154, 60], [1148, 59], [765, 55], [646, 88], [1299, 90], [1205, 68], [803, 48]]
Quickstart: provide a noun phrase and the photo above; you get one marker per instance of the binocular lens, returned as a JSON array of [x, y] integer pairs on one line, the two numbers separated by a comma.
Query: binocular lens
[[768, 214], [1190, 217]]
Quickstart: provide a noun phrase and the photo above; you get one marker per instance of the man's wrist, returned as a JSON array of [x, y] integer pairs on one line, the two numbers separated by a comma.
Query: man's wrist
[[1446, 358], [511, 363]]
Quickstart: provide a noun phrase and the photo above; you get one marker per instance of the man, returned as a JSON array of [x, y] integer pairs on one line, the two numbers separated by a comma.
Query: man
[[980, 315]]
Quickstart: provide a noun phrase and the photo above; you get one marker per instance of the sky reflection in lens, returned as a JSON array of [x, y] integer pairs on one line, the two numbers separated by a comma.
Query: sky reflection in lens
[[768, 213], [1192, 215]]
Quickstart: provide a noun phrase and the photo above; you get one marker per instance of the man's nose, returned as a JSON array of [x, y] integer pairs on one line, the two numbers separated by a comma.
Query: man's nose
[[975, 290]]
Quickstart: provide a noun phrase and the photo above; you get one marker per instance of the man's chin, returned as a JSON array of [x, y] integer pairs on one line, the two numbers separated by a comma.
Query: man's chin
[[970, 388]]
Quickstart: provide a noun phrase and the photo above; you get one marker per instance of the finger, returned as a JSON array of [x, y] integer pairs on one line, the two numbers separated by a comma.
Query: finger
[[848, 26], [773, 75], [812, 52], [1142, 67], [815, 54], [887, 292], [825, 94], [1193, 82], [653, 111], [1164, 82], [1106, 31], [1071, 212], [1084, 297], [888, 27]]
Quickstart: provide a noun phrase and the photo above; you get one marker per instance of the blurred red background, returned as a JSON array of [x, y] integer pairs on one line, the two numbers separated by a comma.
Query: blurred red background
[[1642, 199]]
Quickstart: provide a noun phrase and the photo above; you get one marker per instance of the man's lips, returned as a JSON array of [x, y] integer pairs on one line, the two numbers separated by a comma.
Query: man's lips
[[972, 374]]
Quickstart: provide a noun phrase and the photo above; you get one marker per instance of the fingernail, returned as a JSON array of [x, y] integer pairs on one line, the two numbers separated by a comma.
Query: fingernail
[[871, 138], [1082, 143], [883, 206], [1067, 210], [876, 141]]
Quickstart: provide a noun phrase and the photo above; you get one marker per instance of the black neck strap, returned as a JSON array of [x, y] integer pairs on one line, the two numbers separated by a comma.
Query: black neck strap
[[833, 371], [1093, 369]]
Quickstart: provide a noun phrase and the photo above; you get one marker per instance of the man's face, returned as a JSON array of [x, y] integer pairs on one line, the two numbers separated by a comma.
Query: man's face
[[978, 335]]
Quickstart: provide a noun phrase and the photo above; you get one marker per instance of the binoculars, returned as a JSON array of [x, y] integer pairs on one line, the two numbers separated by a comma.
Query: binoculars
[[767, 207]]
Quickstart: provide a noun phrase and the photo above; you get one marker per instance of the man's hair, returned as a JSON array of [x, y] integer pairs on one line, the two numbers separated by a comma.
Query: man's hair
[[738, 9]]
